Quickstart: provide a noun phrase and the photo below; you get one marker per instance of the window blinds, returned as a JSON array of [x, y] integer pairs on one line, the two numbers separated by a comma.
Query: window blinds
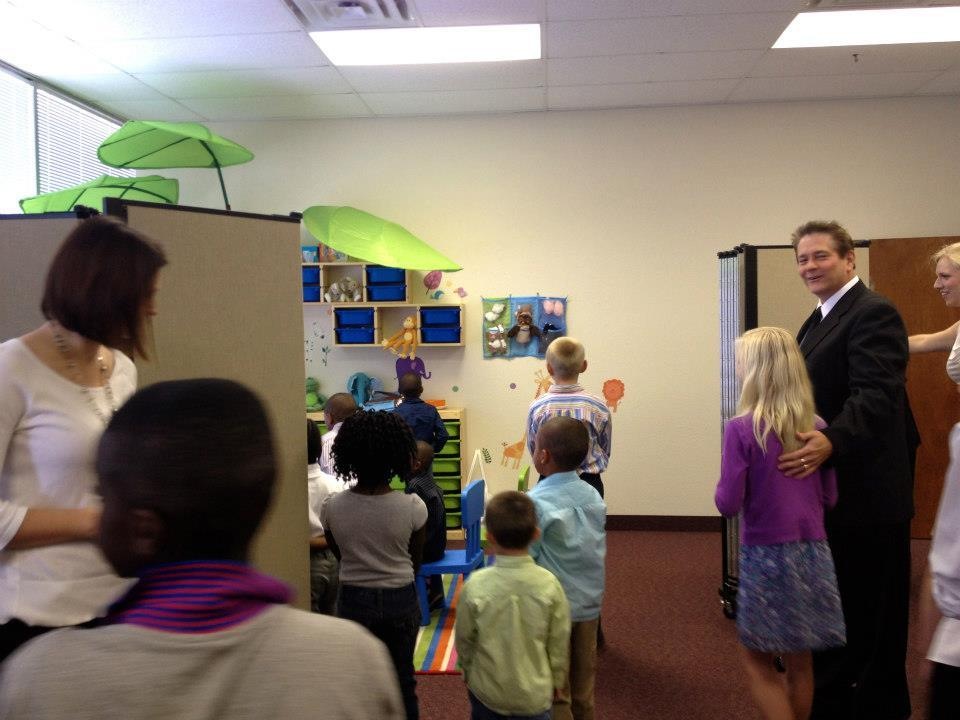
[[18, 178], [67, 140]]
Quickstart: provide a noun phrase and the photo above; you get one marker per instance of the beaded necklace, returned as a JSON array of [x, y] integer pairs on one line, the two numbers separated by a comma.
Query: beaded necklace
[[78, 378]]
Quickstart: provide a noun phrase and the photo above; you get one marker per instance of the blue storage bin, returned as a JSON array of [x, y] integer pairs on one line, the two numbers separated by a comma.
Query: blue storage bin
[[355, 335], [386, 293], [379, 275], [311, 293], [440, 316], [354, 317], [311, 275], [440, 335]]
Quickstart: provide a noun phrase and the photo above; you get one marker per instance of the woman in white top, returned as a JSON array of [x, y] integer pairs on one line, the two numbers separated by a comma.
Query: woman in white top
[[59, 386], [947, 283], [943, 583]]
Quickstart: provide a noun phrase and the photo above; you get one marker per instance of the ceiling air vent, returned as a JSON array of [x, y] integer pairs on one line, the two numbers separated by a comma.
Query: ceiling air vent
[[353, 14], [874, 4]]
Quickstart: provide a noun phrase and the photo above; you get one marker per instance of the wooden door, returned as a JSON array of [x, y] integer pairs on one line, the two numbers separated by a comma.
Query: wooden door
[[900, 268]]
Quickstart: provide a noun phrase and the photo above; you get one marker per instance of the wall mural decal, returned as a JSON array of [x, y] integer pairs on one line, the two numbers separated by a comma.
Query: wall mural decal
[[613, 391], [315, 342], [514, 451], [522, 326]]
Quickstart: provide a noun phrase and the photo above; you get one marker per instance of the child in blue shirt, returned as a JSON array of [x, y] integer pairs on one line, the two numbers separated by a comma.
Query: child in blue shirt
[[573, 546], [423, 418]]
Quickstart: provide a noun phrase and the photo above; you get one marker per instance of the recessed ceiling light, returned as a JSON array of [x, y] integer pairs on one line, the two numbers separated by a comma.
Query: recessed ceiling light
[[430, 45], [872, 27]]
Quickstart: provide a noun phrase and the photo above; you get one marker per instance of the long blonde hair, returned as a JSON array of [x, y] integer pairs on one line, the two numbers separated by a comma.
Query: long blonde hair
[[776, 388]]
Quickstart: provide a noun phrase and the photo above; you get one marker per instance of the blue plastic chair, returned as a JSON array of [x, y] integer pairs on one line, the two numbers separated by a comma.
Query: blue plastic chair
[[455, 562]]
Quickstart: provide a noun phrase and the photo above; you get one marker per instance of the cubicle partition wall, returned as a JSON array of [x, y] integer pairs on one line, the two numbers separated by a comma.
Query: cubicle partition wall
[[27, 244], [229, 306]]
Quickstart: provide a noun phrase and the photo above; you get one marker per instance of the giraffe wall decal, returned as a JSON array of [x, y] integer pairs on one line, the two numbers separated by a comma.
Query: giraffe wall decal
[[514, 451]]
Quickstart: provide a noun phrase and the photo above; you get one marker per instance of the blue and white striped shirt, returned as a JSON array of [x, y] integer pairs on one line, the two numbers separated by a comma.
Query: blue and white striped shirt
[[573, 401]]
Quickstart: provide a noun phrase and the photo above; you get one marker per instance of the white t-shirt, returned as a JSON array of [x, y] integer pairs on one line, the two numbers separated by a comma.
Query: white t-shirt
[[48, 441], [945, 561], [320, 485], [953, 361]]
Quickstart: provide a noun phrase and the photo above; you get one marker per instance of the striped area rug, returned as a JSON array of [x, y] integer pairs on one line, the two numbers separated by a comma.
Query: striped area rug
[[435, 653]]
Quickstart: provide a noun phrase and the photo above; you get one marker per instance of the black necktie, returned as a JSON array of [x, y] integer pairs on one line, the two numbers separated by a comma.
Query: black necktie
[[815, 319]]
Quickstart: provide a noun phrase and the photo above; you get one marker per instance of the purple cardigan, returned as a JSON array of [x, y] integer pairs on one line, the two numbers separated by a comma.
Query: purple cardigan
[[776, 508]]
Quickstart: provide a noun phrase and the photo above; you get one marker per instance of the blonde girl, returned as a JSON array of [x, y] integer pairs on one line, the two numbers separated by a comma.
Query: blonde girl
[[787, 599]]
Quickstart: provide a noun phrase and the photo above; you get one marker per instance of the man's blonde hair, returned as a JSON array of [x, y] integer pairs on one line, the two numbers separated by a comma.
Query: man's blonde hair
[[565, 355], [776, 388]]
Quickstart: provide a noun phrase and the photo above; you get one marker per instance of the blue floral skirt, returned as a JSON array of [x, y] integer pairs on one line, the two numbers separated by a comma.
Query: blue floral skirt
[[787, 598]]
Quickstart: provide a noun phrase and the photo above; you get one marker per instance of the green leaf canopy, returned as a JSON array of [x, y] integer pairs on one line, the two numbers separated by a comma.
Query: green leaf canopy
[[151, 144], [372, 239], [149, 188]]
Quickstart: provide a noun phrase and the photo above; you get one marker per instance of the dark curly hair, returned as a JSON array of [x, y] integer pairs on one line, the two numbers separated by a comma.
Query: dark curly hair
[[373, 446]]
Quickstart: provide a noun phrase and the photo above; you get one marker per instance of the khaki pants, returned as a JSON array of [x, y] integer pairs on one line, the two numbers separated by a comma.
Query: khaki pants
[[575, 702]]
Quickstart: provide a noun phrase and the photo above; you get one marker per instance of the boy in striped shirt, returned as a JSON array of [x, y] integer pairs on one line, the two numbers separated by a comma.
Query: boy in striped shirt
[[566, 397]]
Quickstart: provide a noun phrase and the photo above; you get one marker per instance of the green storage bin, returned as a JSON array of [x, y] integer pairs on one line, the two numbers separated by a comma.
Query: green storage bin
[[451, 502], [451, 449], [449, 484], [447, 466], [397, 484], [453, 428], [453, 521]]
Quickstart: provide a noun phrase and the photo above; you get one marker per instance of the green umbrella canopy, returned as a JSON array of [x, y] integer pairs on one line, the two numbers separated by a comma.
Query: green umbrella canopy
[[150, 188], [367, 237], [150, 144]]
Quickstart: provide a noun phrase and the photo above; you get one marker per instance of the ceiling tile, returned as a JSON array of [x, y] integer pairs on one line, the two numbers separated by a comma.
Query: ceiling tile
[[248, 83], [223, 52], [479, 12], [299, 107], [692, 33], [947, 83], [467, 101], [26, 45], [611, 9], [103, 88], [166, 110], [872, 59], [652, 67], [435, 78], [638, 94], [829, 86], [129, 19]]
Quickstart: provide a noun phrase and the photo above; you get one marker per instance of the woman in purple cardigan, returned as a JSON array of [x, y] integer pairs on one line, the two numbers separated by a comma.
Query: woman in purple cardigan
[[787, 599]]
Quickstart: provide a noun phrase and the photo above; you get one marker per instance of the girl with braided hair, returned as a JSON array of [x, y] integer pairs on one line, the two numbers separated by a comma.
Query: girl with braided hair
[[378, 536]]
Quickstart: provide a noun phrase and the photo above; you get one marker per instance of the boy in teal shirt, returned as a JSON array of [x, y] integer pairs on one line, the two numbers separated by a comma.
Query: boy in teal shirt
[[572, 518], [513, 622]]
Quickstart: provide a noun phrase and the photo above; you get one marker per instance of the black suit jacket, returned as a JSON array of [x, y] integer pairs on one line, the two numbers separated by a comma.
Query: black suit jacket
[[857, 360]]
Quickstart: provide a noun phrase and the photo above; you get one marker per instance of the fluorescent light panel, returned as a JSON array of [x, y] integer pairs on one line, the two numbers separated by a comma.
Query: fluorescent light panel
[[430, 45], [832, 28]]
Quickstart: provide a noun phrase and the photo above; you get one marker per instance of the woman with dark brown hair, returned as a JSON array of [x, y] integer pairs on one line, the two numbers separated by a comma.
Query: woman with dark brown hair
[[59, 386]]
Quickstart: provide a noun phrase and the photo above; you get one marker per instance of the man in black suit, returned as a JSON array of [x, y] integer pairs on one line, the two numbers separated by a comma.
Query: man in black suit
[[855, 347]]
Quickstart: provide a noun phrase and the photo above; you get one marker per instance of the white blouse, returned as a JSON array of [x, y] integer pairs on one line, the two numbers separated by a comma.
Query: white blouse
[[953, 361], [48, 440]]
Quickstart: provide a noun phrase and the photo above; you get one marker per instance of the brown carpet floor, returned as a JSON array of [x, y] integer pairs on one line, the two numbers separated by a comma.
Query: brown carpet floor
[[670, 653]]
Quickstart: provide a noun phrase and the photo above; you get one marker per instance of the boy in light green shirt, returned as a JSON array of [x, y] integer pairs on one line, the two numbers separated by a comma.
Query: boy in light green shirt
[[513, 622]]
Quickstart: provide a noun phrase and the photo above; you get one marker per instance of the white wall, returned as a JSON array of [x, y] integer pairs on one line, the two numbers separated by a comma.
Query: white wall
[[624, 211]]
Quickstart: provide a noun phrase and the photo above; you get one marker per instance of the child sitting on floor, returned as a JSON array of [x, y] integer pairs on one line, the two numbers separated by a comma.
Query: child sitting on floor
[[187, 470], [513, 621], [378, 536]]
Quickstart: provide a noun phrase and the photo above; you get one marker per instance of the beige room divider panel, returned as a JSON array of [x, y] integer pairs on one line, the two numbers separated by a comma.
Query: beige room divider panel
[[229, 306], [27, 244]]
